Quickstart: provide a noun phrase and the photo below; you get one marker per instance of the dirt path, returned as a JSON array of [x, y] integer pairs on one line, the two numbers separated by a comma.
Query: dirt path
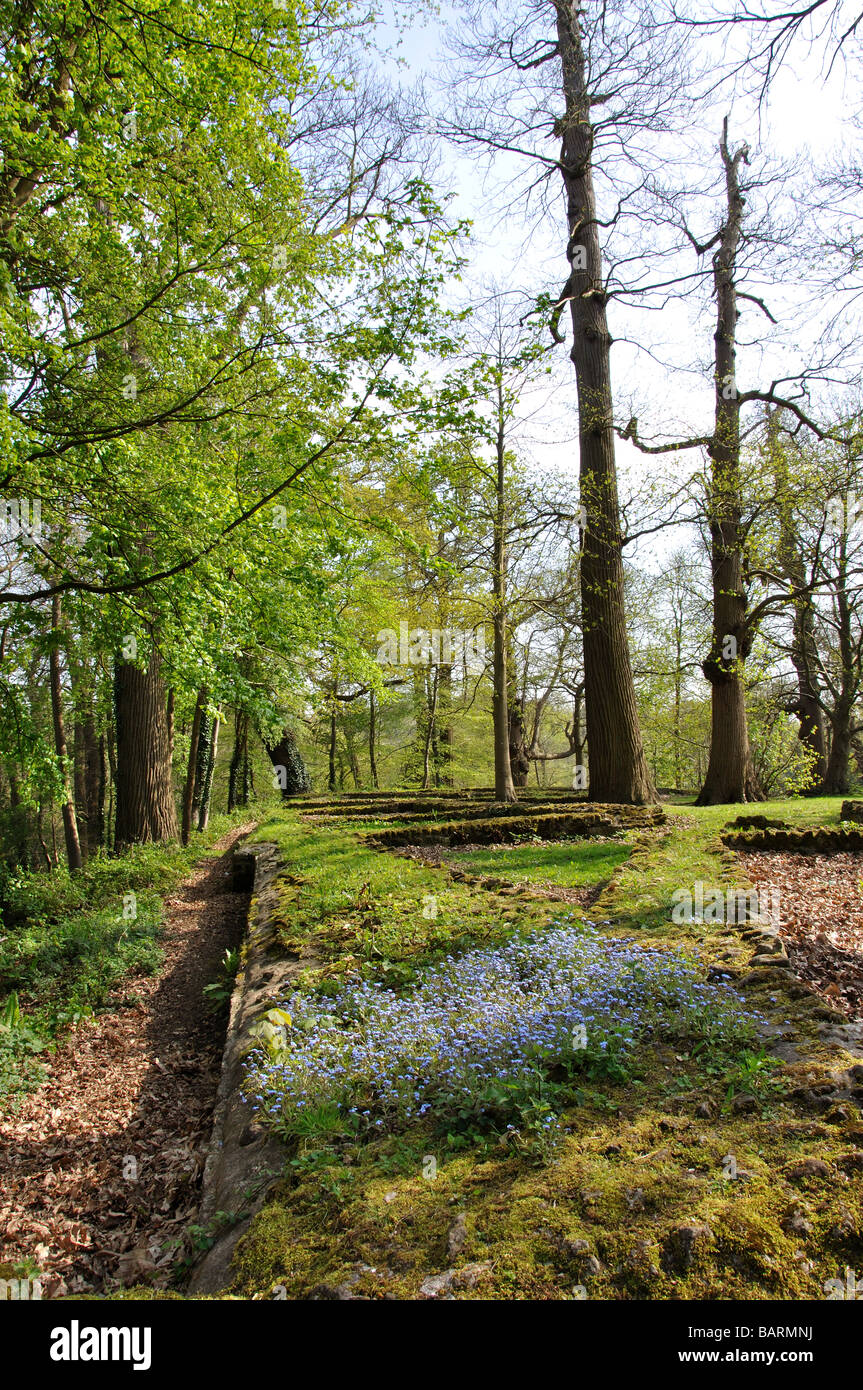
[[100, 1169], [820, 919]]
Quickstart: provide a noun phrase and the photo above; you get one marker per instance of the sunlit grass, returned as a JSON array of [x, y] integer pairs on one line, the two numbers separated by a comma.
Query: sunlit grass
[[572, 865]]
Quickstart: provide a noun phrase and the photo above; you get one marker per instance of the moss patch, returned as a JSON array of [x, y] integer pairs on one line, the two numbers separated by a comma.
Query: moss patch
[[695, 1176]]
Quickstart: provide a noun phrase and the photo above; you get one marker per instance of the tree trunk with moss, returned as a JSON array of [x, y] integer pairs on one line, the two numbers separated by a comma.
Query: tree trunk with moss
[[290, 770]]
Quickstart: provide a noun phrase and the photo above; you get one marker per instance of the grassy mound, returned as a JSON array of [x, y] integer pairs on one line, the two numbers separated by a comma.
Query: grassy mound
[[690, 1168], [567, 865]]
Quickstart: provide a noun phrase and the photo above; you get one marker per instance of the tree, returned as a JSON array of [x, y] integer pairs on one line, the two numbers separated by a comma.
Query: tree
[[523, 64], [807, 701], [289, 770], [730, 771], [213, 290], [618, 769], [734, 494], [145, 794], [70, 824], [773, 27], [840, 618]]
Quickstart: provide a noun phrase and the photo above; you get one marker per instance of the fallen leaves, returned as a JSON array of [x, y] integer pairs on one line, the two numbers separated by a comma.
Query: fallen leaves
[[100, 1169], [820, 919]]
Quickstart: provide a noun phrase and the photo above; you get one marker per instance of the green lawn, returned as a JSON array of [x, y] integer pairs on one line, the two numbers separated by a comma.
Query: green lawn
[[575, 865], [801, 811]]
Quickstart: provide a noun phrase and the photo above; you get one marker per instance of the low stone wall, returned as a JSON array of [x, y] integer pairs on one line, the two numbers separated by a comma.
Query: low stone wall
[[429, 810], [558, 825], [820, 839], [244, 1160]]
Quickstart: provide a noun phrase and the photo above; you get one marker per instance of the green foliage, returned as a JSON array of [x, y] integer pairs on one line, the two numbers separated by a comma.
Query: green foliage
[[754, 1073], [218, 994], [69, 942], [20, 1067], [784, 765]]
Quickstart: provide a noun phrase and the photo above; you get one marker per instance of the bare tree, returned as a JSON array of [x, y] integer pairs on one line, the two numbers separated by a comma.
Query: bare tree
[[602, 82], [806, 703], [739, 246], [773, 27], [730, 771]]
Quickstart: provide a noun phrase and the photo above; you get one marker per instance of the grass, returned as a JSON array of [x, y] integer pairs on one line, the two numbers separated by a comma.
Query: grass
[[375, 914], [596, 1205], [688, 849], [564, 865], [592, 1205], [799, 811]]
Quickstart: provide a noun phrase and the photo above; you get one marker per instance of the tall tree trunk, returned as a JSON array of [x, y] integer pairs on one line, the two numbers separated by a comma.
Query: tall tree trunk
[[577, 740], [504, 788], [79, 763], [519, 759], [145, 796], [238, 773], [804, 650], [353, 760], [288, 764], [432, 716], [836, 781], [87, 785], [678, 688], [332, 784], [618, 768], [730, 771], [192, 767], [204, 736], [842, 730], [208, 773], [111, 748], [812, 733], [446, 727], [41, 836], [101, 788], [70, 823], [169, 720], [373, 764]]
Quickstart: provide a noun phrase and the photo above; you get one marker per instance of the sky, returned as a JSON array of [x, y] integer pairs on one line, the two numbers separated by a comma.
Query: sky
[[661, 361]]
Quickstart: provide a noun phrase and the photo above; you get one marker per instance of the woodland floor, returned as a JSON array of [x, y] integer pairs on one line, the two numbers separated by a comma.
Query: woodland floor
[[100, 1168], [820, 919]]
